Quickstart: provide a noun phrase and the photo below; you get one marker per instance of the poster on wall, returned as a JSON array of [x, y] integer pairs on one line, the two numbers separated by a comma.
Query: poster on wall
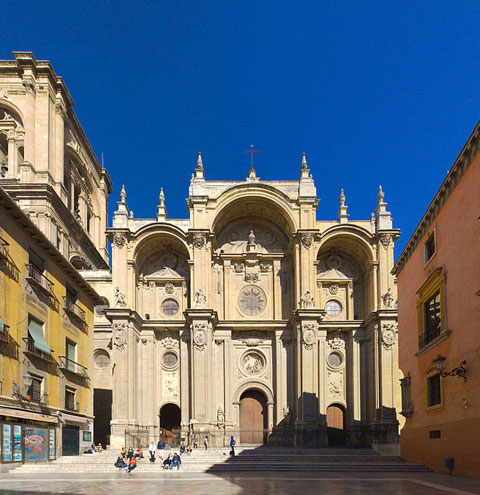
[[17, 443], [7, 443], [35, 444], [51, 444]]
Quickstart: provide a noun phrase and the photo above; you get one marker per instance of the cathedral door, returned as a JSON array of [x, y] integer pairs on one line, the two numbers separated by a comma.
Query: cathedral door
[[253, 417], [336, 425], [170, 418]]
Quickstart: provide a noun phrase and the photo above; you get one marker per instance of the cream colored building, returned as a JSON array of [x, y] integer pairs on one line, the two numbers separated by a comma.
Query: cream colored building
[[250, 318]]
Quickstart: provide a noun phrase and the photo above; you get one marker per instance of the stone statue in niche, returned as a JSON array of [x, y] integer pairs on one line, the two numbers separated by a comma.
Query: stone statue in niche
[[200, 301], [119, 299], [251, 238], [220, 417], [388, 299], [306, 301]]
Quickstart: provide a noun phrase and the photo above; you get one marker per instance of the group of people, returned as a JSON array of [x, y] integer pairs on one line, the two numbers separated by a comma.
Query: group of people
[[128, 459]]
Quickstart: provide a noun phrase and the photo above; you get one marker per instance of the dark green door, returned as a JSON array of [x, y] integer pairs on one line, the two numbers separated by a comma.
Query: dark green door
[[70, 440]]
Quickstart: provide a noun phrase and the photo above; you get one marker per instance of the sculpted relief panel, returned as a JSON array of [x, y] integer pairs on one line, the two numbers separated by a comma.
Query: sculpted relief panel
[[166, 265]]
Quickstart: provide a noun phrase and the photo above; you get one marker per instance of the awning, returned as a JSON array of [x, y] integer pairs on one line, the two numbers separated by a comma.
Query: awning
[[17, 413], [35, 330], [73, 419]]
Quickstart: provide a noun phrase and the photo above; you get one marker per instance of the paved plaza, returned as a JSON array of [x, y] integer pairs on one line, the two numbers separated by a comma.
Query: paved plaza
[[121, 483]]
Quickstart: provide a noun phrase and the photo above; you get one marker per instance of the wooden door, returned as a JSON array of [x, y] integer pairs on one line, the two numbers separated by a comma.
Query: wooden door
[[253, 418], [335, 425]]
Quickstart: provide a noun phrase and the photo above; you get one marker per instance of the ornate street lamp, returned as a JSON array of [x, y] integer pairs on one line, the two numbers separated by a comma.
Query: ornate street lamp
[[439, 363]]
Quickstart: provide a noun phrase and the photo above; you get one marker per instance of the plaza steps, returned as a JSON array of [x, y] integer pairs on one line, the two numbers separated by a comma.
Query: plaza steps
[[247, 459]]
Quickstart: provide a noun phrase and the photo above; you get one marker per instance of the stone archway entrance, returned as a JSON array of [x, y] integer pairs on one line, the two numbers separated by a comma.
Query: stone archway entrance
[[253, 417], [170, 418], [336, 425]]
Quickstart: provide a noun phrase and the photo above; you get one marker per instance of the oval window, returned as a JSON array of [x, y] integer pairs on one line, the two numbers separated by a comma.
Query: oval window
[[170, 307]]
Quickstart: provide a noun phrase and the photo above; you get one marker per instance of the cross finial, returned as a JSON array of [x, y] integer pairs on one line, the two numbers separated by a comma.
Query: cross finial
[[252, 174]]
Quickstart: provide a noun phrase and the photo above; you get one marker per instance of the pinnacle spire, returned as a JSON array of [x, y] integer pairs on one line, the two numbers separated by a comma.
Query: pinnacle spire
[[199, 161], [304, 161], [342, 211], [161, 210], [381, 195], [161, 197], [384, 218], [123, 194], [199, 171]]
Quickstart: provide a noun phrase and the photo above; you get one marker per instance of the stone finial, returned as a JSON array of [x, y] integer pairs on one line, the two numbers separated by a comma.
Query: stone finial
[[304, 161], [123, 194], [372, 223], [384, 218], [161, 210], [199, 170], [342, 211]]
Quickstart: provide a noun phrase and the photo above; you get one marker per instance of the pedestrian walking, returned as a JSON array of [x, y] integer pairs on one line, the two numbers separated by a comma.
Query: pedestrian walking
[[195, 441], [232, 446], [205, 442], [152, 449]]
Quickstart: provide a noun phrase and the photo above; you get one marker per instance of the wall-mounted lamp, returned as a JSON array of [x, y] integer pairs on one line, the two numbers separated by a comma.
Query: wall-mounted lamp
[[17, 390], [439, 363], [27, 380]]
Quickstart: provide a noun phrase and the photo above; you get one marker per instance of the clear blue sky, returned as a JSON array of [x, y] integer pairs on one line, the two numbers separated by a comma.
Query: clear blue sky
[[374, 92]]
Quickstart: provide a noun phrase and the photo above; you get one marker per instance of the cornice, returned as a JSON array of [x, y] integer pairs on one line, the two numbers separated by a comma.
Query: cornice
[[463, 161]]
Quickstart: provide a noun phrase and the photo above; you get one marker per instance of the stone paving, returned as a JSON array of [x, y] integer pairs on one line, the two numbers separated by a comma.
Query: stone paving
[[121, 483]]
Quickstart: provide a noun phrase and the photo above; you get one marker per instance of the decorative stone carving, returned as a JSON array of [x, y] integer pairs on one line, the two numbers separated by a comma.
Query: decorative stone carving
[[336, 343], [169, 288], [251, 238], [199, 240], [170, 386], [220, 417], [333, 267], [306, 301], [252, 300], [333, 289], [200, 336], [385, 240], [388, 299], [309, 334], [251, 277], [169, 341], [200, 301], [253, 363], [120, 336], [119, 299], [119, 240], [335, 385], [238, 267], [264, 267], [307, 240], [388, 334]]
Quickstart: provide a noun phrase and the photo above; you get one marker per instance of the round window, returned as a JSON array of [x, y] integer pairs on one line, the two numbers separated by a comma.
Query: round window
[[170, 307], [335, 359], [101, 358], [333, 308], [170, 359]]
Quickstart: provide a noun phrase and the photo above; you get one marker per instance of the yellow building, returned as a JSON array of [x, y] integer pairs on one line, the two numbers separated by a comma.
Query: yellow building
[[46, 325]]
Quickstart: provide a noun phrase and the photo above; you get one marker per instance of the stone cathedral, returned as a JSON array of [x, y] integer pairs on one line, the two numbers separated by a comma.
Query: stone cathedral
[[249, 318]]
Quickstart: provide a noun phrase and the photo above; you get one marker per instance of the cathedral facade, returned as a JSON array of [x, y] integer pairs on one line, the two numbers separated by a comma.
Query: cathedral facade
[[249, 318]]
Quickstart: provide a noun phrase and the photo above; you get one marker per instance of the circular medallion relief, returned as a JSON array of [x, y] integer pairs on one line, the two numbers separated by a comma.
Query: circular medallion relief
[[101, 358], [170, 359], [252, 301], [170, 307], [335, 359], [253, 363]]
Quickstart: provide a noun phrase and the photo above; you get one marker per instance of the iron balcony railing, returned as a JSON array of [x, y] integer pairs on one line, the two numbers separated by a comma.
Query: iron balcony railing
[[72, 366], [73, 308], [37, 396], [71, 405], [35, 276], [426, 337], [5, 335], [3, 249], [32, 350]]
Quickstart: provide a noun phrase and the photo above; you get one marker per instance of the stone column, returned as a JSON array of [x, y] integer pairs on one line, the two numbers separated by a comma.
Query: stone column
[[201, 324], [310, 426]]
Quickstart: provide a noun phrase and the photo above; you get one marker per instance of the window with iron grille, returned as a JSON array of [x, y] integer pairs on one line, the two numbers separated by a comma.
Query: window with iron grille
[[433, 317], [434, 390], [35, 389]]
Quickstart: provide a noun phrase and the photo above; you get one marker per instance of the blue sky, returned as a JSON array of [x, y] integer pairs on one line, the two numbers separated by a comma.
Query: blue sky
[[377, 92]]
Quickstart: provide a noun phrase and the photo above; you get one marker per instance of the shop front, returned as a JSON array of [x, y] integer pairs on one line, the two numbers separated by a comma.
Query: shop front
[[76, 433], [27, 436]]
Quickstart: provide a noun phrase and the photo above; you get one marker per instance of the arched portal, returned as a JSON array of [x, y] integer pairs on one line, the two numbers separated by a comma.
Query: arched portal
[[253, 417], [170, 418], [336, 425]]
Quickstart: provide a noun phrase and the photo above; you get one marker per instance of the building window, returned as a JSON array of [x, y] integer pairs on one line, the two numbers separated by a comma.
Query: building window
[[434, 434], [34, 392], [71, 353], [89, 221], [333, 308], [430, 247], [431, 310], [434, 390], [69, 399]]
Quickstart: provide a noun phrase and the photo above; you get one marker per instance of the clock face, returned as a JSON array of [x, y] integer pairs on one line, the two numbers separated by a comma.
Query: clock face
[[252, 300]]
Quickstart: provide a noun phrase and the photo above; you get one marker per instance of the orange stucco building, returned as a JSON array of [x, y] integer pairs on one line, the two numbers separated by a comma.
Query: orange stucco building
[[439, 317]]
